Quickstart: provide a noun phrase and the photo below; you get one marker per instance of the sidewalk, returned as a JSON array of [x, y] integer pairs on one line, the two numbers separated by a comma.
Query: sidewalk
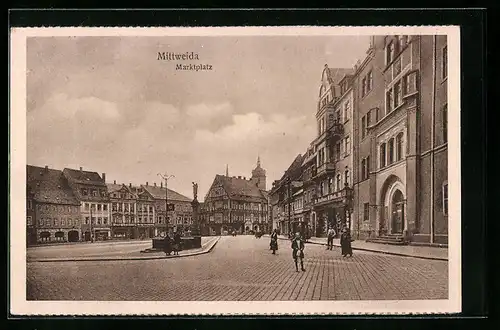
[[111, 241], [423, 252], [137, 255]]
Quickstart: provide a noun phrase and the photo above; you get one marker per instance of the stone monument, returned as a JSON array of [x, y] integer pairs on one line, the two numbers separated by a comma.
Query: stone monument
[[196, 211]]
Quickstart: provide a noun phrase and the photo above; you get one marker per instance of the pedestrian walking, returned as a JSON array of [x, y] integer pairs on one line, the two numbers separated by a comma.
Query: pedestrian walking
[[274, 241], [345, 242], [330, 237], [298, 252], [177, 243], [167, 245]]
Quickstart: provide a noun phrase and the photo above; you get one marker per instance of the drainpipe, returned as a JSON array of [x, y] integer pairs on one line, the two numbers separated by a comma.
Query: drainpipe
[[433, 108]]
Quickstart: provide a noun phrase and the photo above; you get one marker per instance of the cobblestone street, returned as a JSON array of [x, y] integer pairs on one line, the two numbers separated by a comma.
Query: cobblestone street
[[243, 268]]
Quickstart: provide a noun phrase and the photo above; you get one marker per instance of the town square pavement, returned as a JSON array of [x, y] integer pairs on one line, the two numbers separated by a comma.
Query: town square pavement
[[238, 268]]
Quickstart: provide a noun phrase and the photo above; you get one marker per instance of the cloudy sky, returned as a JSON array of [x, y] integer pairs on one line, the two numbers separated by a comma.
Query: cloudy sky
[[107, 104]]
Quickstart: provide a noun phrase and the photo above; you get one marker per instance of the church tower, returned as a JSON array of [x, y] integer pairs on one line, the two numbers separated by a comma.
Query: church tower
[[259, 176]]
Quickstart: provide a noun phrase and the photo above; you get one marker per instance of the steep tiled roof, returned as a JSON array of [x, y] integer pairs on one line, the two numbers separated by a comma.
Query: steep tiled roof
[[49, 186], [84, 177], [239, 187], [159, 193]]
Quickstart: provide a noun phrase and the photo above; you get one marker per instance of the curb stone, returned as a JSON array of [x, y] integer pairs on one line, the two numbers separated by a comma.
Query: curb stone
[[208, 250], [376, 251]]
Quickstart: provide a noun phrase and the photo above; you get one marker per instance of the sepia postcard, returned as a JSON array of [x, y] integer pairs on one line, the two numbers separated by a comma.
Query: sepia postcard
[[235, 171]]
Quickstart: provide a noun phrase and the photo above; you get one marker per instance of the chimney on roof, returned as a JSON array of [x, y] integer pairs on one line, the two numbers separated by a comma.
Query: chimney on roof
[[104, 177], [130, 184], [155, 184], [239, 176], [81, 168], [46, 168], [147, 183], [161, 184], [114, 181]]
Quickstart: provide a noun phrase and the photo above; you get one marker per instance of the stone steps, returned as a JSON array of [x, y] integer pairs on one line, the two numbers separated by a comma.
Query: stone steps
[[391, 239]]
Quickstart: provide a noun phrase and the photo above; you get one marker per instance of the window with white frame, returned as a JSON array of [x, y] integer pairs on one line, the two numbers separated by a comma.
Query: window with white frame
[[445, 198], [391, 151], [399, 146], [347, 110], [382, 155], [347, 145]]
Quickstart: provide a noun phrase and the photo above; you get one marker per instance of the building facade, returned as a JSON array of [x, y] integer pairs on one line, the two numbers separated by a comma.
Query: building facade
[[378, 164], [236, 204], [177, 216], [91, 190], [53, 211], [409, 140], [328, 167], [281, 196]]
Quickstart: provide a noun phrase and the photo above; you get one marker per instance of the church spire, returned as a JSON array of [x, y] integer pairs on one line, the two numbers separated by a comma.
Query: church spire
[[258, 161]]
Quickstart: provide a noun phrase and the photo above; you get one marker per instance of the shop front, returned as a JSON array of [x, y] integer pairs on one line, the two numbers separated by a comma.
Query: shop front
[[123, 232]]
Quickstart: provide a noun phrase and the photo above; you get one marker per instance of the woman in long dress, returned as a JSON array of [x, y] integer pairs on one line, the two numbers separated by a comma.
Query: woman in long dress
[[274, 241], [167, 245], [177, 243], [345, 242]]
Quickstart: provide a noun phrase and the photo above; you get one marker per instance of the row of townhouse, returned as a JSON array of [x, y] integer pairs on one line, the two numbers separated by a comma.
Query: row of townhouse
[[76, 205], [378, 164]]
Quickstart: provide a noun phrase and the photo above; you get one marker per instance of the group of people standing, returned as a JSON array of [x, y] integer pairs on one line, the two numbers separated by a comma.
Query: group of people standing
[[298, 245], [172, 243], [345, 241]]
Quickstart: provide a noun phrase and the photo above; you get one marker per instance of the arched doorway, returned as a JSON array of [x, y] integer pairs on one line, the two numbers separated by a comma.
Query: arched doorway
[[247, 229], [86, 236], [392, 213], [397, 210], [73, 236]]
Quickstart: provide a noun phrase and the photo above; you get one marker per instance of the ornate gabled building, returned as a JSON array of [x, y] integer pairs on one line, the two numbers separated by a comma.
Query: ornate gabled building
[[236, 204], [53, 211], [91, 190]]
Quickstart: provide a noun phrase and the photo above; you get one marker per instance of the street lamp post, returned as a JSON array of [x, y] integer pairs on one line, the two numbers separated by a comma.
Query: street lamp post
[[166, 178], [289, 186], [90, 226]]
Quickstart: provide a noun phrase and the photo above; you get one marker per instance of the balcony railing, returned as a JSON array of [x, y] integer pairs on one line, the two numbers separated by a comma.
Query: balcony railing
[[336, 129], [324, 169]]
